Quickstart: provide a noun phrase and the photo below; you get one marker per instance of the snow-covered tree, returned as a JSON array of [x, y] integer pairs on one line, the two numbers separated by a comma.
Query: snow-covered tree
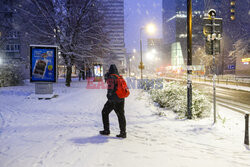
[[201, 58], [76, 26], [11, 74], [240, 49]]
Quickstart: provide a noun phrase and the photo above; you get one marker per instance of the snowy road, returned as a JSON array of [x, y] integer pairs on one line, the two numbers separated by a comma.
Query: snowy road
[[64, 132], [237, 100]]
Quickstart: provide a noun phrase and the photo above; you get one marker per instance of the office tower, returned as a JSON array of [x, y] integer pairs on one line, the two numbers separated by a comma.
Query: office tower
[[156, 45], [114, 19], [235, 15], [174, 29]]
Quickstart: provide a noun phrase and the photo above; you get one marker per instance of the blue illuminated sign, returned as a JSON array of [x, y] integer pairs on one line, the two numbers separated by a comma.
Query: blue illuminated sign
[[231, 67]]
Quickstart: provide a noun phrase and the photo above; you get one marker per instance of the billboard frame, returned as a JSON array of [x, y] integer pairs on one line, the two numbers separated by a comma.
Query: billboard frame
[[55, 48]]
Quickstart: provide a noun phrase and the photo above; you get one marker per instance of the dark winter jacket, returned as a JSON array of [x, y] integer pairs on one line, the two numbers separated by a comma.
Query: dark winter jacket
[[112, 84]]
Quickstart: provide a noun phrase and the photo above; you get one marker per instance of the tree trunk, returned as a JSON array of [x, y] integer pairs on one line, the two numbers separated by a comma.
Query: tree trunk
[[84, 72], [68, 75]]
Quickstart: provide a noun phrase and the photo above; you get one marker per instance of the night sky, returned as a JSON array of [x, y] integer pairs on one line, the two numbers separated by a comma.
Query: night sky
[[137, 14]]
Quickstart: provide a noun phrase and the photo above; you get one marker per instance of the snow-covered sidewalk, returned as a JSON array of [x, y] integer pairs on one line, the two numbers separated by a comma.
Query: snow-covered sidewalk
[[64, 132]]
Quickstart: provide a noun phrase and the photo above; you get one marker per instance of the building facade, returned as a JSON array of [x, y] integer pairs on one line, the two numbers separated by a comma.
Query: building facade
[[12, 50], [174, 29], [156, 45], [10, 36], [236, 16], [114, 20]]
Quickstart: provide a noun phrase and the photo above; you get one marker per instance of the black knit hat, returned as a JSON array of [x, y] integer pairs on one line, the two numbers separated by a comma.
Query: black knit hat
[[113, 69]]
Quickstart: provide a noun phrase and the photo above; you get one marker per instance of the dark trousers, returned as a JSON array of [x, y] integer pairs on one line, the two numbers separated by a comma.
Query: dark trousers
[[119, 110]]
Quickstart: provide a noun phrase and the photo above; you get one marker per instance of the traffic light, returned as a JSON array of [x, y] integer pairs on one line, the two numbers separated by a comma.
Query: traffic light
[[232, 10], [207, 29], [213, 32]]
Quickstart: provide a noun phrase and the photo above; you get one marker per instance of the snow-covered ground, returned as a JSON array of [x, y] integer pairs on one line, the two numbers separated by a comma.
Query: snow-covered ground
[[64, 132]]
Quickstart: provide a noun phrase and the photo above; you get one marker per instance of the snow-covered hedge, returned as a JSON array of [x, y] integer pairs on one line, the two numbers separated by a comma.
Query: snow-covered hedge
[[11, 75], [173, 96]]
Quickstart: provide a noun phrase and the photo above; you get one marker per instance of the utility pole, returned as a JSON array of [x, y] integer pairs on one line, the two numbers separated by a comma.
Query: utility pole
[[130, 67], [189, 59], [141, 66], [213, 14]]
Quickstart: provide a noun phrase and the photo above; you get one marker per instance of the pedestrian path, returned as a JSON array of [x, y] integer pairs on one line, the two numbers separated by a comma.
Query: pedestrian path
[[64, 132]]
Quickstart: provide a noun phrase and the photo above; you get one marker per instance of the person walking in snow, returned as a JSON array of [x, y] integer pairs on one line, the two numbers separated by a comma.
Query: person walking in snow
[[114, 103]]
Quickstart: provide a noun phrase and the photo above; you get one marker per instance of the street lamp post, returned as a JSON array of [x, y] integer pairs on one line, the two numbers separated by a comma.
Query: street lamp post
[[150, 29], [141, 64], [130, 66]]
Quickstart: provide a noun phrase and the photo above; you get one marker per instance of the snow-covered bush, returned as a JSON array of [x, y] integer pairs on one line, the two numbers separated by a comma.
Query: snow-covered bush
[[11, 75], [173, 95]]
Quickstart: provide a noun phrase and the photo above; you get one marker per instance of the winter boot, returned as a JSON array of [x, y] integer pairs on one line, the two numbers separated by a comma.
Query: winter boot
[[104, 132], [122, 135]]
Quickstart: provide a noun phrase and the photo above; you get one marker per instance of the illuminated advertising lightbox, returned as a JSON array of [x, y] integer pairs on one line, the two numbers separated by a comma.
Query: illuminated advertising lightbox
[[245, 60], [98, 70], [43, 66]]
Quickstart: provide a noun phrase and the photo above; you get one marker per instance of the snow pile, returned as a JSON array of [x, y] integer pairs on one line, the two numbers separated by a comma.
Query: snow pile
[[173, 96]]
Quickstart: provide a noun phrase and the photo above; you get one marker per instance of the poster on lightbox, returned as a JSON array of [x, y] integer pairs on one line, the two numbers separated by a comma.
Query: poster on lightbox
[[98, 70], [43, 63]]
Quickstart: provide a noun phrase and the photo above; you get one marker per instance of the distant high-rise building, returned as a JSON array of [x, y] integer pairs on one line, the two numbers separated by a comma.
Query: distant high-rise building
[[235, 15], [114, 19], [174, 28], [154, 43]]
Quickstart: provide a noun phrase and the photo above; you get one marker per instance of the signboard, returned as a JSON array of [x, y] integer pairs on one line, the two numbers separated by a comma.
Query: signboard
[[43, 63], [245, 60], [141, 66], [98, 70], [231, 67]]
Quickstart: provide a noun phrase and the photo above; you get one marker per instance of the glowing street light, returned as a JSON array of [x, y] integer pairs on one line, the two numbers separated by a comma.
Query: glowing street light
[[150, 56], [154, 51], [130, 66], [150, 28]]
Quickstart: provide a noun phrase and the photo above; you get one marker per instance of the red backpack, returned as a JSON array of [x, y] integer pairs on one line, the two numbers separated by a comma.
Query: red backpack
[[122, 88]]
